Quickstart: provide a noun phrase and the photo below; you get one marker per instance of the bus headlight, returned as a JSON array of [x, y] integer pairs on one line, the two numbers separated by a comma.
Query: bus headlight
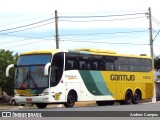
[[17, 94], [44, 93]]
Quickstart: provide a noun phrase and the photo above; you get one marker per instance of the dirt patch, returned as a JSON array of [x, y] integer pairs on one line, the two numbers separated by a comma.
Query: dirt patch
[[85, 104]]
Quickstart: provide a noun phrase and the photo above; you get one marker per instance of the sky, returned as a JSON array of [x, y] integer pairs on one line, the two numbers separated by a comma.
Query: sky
[[118, 25]]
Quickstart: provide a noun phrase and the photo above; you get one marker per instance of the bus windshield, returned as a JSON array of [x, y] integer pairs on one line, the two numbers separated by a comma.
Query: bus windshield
[[30, 72], [34, 59]]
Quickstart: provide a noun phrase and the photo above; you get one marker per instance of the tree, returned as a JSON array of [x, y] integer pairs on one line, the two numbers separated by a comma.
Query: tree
[[157, 62], [6, 58]]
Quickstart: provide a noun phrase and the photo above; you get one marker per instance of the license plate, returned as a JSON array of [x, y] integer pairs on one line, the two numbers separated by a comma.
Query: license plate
[[28, 99]]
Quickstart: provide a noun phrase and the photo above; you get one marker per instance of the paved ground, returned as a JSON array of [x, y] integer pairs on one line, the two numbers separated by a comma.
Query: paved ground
[[28, 106]]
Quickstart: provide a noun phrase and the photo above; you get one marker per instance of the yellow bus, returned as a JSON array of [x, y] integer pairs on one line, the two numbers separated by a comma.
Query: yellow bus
[[67, 76]]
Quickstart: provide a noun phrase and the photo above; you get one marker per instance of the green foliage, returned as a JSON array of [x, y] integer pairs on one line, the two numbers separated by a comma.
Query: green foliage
[[7, 58], [157, 62]]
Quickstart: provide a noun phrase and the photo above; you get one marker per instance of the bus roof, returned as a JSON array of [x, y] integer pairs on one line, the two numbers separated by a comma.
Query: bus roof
[[109, 52], [85, 51], [51, 51]]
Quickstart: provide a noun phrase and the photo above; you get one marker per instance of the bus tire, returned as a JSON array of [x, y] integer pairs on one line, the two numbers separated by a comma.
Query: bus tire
[[71, 99], [100, 103], [110, 102], [136, 97], [128, 98], [41, 105]]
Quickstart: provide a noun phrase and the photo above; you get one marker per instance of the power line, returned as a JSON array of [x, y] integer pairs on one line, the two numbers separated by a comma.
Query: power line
[[27, 43], [10, 42], [106, 33], [101, 20], [104, 42], [15, 41], [26, 20], [26, 25], [31, 26], [155, 20], [102, 16], [119, 43], [25, 29], [104, 12], [23, 26]]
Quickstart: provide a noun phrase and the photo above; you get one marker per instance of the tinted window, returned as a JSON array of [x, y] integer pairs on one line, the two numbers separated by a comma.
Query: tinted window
[[134, 64], [122, 64], [110, 63], [71, 61], [98, 62], [85, 61], [57, 68], [34, 59]]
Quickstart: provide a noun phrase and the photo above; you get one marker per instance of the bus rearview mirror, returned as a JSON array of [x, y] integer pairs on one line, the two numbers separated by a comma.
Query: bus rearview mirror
[[8, 68], [46, 68]]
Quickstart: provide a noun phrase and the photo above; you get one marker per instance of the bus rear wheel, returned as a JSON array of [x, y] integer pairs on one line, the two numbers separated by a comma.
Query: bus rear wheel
[[41, 105], [136, 97], [110, 102], [100, 103], [128, 98], [71, 99]]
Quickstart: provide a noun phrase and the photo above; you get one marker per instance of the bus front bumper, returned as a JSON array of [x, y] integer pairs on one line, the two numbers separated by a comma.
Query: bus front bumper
[[32, 99]]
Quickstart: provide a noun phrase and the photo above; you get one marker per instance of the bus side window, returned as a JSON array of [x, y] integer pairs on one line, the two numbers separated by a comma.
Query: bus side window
[[69, 66], [83, 67], [71, 61], [109, 66], [53, 81], [76, 65], [94, 66], [134, 64], [88, 65], [57, 67], [123, 64]]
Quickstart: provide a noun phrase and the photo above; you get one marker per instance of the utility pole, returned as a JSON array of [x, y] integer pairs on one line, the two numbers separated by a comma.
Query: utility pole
[[151, 50], [56, 30], [150, 35]]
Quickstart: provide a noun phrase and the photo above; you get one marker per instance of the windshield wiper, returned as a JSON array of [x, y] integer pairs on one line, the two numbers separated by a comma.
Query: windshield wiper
[[27, 79]]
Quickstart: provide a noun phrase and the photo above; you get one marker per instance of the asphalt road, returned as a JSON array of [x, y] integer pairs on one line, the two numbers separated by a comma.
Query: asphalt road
[[147, 106], [94, 112], [139, 107]]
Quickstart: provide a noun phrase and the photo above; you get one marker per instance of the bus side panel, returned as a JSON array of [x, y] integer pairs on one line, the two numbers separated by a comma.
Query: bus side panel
[[58, 93], [89, 85], [119, 82], [72, 81], [94, 85], [147, 90]]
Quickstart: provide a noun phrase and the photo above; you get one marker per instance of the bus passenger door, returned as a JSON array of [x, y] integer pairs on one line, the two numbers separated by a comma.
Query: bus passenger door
[[57, 88]]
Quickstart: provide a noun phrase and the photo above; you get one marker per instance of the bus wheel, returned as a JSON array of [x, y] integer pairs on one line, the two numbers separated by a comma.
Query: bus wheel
[[71, 99], [109, 102], [41, 105], [128, 98], [136, 97], [100, 103]]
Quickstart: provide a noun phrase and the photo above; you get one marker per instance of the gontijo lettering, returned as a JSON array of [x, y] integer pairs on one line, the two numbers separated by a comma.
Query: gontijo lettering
[[117, 77]]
